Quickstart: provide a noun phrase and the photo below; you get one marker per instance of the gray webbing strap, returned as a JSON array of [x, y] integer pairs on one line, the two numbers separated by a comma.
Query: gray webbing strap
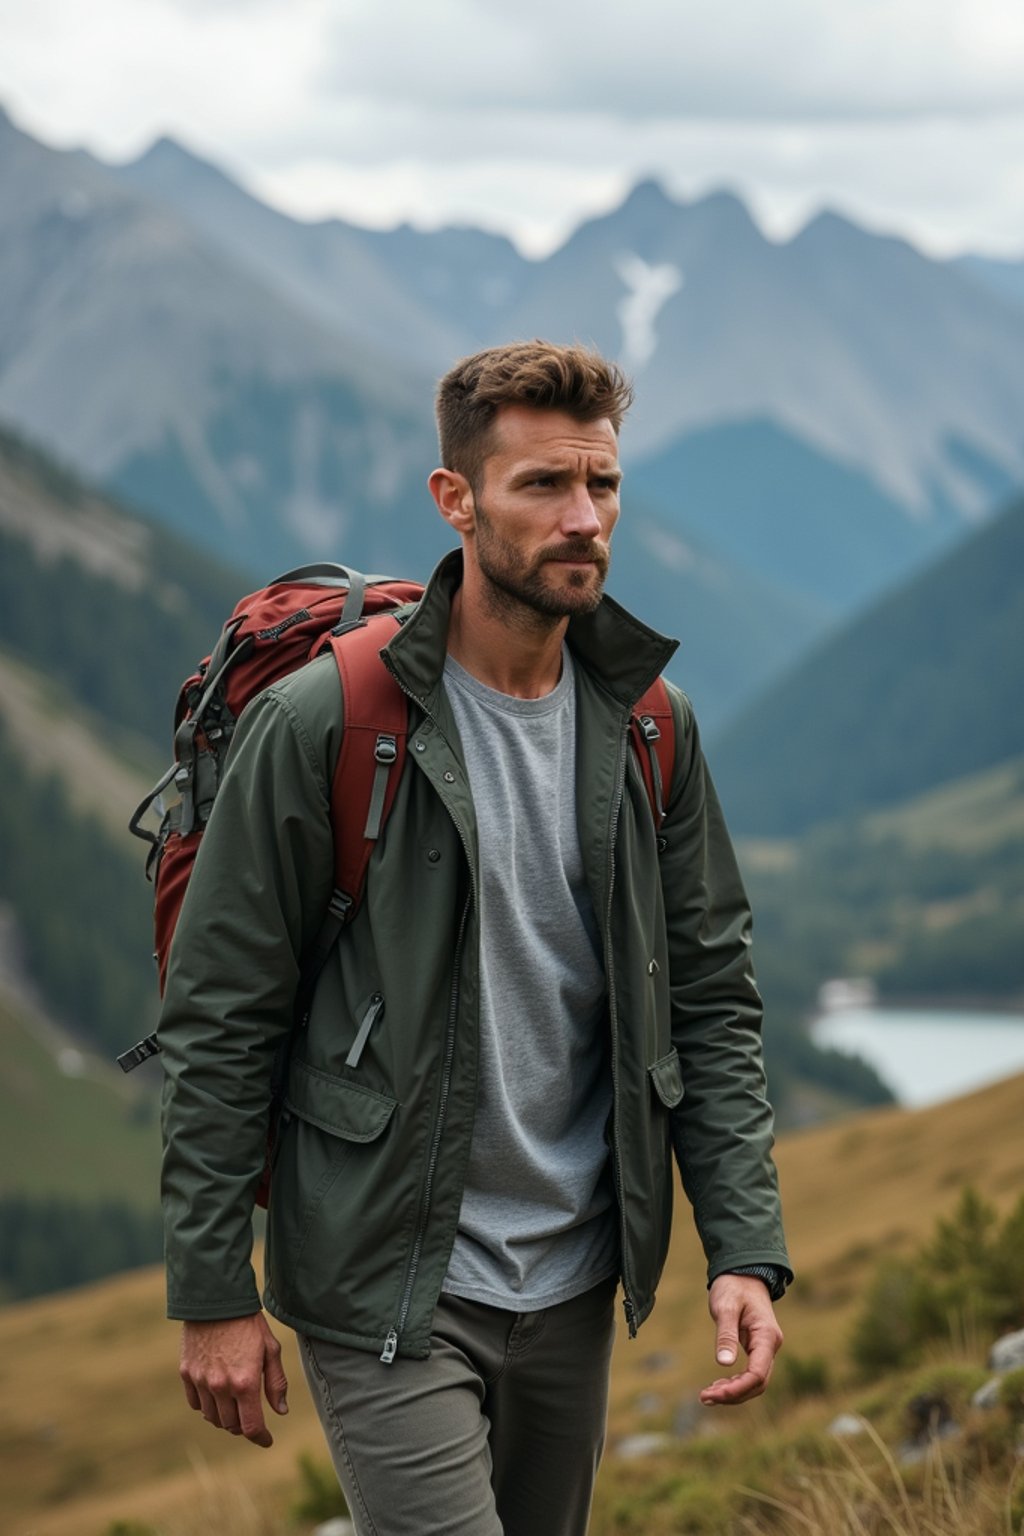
[[386, 753]]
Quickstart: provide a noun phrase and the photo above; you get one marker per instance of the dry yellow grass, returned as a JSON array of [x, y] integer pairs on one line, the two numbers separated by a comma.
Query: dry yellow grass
[[853, 1192], [93, 1425]]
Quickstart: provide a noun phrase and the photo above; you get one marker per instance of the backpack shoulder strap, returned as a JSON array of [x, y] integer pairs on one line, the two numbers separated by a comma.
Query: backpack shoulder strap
[[653, 733], [366, 776], [372, 752]]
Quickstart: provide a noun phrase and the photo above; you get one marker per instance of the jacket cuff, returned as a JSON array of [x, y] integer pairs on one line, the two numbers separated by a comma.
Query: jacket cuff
[[775, 1278], [213, 1312]]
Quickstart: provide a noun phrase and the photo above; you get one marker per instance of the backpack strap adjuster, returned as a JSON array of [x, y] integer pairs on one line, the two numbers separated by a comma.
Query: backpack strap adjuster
[[652, 728], [339, 906]]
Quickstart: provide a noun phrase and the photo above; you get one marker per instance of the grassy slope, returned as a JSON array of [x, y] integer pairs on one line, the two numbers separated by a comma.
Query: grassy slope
[[972, 815], [93, 1426], [85, 1137]]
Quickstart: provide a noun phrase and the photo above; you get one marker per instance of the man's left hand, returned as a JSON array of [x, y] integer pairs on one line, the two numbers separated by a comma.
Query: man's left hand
[[744, 1319]]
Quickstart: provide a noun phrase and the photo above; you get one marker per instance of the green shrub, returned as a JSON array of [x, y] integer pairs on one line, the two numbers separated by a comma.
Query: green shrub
[[700, 1508], [966, 1283], [887, 1332]]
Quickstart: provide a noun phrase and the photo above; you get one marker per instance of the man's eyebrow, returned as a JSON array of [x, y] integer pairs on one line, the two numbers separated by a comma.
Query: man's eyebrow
[[540, 471]]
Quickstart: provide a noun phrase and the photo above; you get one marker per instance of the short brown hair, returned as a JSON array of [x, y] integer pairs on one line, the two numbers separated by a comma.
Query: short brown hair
[[576, 380]]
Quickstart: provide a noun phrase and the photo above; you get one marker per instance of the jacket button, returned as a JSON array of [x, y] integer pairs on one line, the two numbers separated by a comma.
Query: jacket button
[[449, 778], [420, 746], [434, 855]]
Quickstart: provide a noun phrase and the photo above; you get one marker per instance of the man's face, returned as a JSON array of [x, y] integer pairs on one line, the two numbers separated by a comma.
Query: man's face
[[545, 508]]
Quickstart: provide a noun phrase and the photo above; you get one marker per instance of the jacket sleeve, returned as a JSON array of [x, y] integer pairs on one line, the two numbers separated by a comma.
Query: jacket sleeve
[[722, 1130], [259, 888]]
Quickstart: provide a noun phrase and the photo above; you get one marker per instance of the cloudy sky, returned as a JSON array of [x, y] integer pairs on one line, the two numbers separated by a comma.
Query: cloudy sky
[[525, 117]]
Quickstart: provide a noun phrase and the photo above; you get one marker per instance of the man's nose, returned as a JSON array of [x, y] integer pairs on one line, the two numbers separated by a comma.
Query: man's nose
[[580, 516]]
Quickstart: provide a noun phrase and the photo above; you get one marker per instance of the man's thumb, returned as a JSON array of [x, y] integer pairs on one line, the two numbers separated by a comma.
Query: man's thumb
[[726, 1345]]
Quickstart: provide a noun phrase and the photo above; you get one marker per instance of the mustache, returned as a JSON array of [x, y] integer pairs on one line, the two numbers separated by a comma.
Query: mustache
[[578, 549]]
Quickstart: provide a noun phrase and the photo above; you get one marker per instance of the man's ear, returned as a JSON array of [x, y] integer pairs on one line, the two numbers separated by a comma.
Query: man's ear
[[454, 497]]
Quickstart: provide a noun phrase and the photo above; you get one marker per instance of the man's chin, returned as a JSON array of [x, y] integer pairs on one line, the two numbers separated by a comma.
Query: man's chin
[[579, 591]]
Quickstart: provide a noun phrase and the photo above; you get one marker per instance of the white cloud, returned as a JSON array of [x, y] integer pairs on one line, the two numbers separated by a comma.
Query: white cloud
[[114, 73], [760, 59], [906, 113]]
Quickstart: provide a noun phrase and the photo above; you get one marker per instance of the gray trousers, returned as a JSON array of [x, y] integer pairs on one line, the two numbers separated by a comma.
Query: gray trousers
[[498, 1433]]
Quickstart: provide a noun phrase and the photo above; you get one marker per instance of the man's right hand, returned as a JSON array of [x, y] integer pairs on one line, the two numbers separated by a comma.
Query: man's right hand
[[223, 1366]]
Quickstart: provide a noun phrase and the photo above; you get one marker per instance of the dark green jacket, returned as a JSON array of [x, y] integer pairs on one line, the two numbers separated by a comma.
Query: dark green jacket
[[371, 1158]]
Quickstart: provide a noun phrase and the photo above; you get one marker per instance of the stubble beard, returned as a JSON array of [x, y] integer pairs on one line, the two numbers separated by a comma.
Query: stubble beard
[[516, 588]]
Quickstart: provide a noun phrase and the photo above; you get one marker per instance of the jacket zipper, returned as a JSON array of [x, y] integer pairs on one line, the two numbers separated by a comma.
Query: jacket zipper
[[628, 1303], [394, 1333]]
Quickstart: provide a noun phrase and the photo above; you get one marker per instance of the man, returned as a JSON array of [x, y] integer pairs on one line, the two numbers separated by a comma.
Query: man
[[537, 1001]]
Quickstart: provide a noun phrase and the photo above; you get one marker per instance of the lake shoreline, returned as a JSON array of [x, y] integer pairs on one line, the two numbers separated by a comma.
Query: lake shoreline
[[915, 1002], [925, 1055]]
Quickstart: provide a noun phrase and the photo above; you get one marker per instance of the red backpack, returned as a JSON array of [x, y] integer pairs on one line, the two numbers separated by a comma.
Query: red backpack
[[271, 633]]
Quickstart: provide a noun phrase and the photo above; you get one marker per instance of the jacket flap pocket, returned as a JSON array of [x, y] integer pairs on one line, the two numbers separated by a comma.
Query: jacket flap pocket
[[336, 1105], [667, 1078]]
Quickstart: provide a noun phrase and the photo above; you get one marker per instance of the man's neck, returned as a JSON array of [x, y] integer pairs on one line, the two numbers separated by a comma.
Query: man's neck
[[510, 649]]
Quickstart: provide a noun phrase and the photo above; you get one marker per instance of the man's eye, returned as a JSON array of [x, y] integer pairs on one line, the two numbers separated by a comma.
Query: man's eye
[[606, 483]]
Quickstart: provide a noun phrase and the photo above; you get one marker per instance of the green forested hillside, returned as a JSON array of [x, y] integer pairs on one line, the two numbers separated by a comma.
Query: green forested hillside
[[105, 614], [922, 689], [82, 907], [100, 600], [924, 898]]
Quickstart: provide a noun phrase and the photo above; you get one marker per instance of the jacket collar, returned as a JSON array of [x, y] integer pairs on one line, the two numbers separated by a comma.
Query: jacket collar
[[624, 654]]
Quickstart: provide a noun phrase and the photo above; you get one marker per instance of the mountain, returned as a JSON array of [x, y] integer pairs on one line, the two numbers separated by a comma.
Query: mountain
[[856, 343], [768, 502], [999, 275], [737, 628], [813, 419], [140, 345], [109, 606], [840, 397], [331, 270], [101, 615], [422, 296], [922, 689], [149, 359]]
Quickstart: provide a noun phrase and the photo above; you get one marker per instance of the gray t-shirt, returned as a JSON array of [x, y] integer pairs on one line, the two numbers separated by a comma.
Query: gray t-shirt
[[537, 1222]]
